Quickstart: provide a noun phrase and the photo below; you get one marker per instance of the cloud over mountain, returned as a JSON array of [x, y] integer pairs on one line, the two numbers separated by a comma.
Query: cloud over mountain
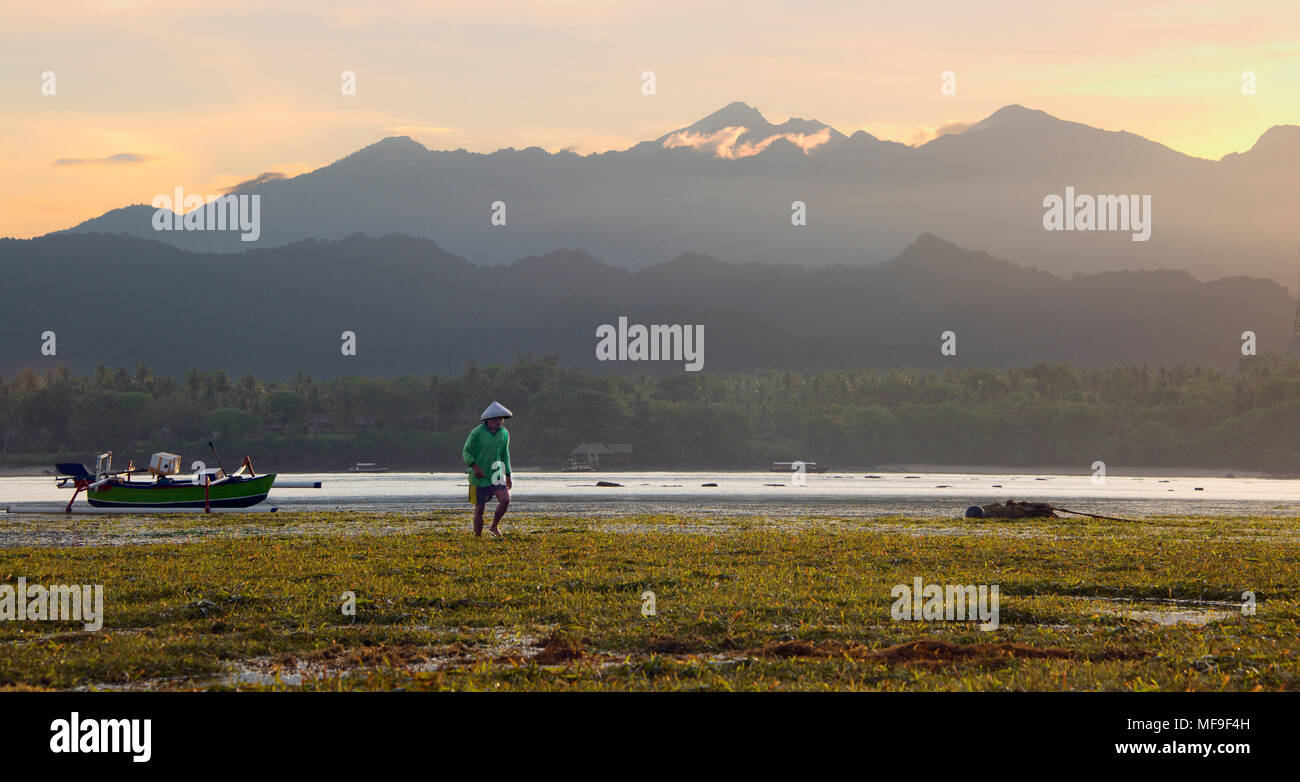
[[249, 184]]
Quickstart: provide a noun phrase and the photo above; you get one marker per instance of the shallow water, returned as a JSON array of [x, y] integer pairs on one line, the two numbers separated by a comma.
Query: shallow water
[[1169, 618], [849, 494]]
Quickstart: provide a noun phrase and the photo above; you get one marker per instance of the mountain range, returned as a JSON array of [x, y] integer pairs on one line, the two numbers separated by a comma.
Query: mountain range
[[724, 186], [416, 308]]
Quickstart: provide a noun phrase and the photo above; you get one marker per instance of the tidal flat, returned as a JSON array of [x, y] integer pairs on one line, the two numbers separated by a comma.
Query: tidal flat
[[349, 600]]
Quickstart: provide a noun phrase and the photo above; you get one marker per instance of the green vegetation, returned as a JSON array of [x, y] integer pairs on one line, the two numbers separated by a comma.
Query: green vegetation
[[1047, 414], [254, 601]]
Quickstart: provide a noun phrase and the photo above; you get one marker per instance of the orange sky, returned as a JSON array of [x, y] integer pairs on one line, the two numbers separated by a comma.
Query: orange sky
[[204, 95]]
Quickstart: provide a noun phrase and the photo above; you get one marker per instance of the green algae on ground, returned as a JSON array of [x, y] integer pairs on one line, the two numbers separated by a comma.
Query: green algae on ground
[[255, 601]]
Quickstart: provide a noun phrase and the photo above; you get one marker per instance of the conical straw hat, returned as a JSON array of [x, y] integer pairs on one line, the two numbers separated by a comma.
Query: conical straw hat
[[496, 410]]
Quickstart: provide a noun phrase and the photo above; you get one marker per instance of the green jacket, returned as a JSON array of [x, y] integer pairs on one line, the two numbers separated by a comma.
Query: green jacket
[[484, 448]]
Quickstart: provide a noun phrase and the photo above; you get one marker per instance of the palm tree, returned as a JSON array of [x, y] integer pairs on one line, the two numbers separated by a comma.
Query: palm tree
[[143, 378]]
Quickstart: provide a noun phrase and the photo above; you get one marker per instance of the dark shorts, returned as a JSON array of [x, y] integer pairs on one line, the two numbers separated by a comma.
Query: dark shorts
[[485, 493]]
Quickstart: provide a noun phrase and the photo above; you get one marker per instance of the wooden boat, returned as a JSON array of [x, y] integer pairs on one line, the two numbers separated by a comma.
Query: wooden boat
[[206, 488]]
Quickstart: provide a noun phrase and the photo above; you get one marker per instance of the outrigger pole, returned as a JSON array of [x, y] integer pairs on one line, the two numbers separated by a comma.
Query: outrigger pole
[[78, 484], [214, 453], [84, 481], [247, 465]]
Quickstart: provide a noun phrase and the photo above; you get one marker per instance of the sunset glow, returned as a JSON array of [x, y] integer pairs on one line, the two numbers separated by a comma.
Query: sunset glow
[[136, 113]]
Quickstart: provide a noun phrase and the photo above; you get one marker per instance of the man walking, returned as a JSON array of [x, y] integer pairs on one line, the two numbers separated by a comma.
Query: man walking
[[487, 455]]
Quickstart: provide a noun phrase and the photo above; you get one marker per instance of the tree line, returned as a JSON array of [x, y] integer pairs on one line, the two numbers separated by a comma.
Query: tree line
[[1183, 416]]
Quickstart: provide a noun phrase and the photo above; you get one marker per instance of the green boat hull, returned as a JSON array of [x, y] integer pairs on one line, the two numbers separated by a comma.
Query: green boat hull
[[229, 494]]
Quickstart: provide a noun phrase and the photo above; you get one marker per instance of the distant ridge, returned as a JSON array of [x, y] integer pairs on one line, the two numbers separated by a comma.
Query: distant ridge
[[417, 309], [725, 185]]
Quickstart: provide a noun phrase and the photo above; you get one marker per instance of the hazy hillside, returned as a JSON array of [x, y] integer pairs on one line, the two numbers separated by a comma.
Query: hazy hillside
[[724, 186], [416, 308]]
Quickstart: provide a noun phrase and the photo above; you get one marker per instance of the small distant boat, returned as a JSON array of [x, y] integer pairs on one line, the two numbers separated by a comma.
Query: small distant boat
[[207, 488], [367, 467], [578, 467], [793, 467]]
